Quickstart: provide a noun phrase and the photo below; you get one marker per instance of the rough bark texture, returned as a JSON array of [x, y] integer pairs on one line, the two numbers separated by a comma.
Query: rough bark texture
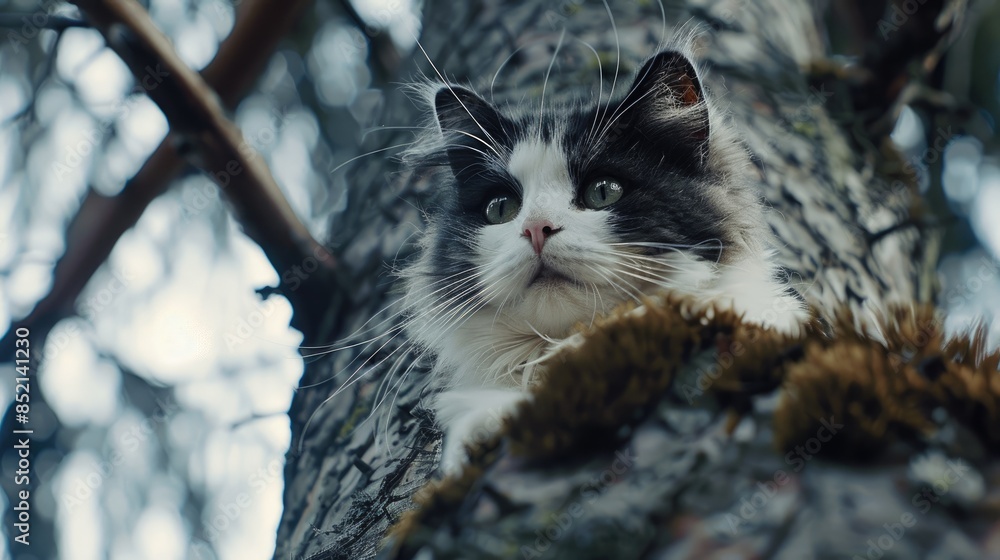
[[850, 232]]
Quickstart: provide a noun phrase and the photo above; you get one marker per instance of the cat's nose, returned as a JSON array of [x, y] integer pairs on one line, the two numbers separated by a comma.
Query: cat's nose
[[537, 231]]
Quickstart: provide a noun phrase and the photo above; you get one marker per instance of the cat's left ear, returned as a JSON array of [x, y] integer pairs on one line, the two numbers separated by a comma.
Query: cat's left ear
[[667, 87]]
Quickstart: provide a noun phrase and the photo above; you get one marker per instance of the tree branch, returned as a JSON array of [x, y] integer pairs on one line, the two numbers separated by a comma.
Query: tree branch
[[196, 116], [102, 220]]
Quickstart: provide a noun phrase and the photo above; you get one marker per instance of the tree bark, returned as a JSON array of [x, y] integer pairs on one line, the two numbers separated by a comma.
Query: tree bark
[[851, 231]]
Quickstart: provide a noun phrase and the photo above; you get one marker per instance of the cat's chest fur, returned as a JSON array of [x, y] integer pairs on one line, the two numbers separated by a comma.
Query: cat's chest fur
[[548, 218]]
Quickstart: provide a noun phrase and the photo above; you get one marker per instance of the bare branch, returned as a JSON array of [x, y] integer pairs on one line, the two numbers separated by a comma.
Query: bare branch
[[102, 220]]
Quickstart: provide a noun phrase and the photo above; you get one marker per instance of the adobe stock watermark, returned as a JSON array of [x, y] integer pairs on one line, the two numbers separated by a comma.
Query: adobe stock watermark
[[897, 189], [588, 493], [899, 14], [89, 309], [922, 502], [797, 458], [87, 485], [817, 97], [76, 153], [725, 358], [960, 294], [215, 524], [103, 298], [33, 24], [196, 200], [558, 15], [291, 280], [246, 326]]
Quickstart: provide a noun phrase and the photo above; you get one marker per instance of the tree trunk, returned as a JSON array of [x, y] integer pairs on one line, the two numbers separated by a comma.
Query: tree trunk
[[850, 230]]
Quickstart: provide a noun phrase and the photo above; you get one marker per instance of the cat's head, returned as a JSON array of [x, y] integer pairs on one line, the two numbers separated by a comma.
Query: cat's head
[[550, 214]]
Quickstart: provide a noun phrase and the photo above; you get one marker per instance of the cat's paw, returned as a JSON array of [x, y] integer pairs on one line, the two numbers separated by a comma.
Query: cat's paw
[[760, 300], [471, 417], [785, 314]]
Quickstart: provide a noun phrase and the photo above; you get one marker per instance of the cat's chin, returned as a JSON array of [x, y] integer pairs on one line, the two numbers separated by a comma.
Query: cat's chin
[[554, 305]]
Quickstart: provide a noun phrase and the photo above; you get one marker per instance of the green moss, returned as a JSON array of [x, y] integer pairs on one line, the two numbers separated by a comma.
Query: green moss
[[878, 392]]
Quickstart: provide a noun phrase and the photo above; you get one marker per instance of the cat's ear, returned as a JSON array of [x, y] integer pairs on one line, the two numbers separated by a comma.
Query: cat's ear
[[471, 126], [460, 110], [667, 87]]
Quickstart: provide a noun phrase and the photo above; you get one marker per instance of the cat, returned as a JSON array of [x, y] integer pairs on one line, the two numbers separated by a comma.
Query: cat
[[549, 216]]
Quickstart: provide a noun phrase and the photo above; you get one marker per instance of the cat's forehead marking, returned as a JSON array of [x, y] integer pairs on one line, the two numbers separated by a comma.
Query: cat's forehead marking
[[542, 170]]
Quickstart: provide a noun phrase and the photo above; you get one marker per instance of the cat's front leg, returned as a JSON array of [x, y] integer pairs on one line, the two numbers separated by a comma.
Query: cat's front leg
[[471, 416]]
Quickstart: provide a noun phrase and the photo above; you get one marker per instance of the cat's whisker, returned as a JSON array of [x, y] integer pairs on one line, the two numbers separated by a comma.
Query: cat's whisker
[[500, 307], [544, 337], [675, 261], [717, 243], [334, 348], [632, 291], [406, 348], [661, 283], [444, 317], [618, 60], [447, 84], [471, 307], [609, 280], [406, 372], [452, 316], [545, 82], [494, 157], [586, 290], [355, 375], [399, 386], [661, 261], [649, 272], [379, 128], [600, 85], [373, 152], [504, 63], [663, 25], [598, 295], [617, 113], [493, 351]]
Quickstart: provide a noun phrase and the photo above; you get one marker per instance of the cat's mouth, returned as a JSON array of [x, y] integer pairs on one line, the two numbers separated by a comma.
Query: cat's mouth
[[546, 275]]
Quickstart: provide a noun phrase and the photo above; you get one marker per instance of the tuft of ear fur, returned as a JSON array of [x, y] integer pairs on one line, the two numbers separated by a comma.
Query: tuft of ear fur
[[667, 85]]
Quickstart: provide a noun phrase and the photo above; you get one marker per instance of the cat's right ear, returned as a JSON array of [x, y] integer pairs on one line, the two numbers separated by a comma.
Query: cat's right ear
[[459, 110], [471, 127]]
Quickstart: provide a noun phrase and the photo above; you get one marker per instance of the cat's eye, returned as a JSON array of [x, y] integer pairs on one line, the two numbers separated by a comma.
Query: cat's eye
[[501, 209], [601, 193]]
